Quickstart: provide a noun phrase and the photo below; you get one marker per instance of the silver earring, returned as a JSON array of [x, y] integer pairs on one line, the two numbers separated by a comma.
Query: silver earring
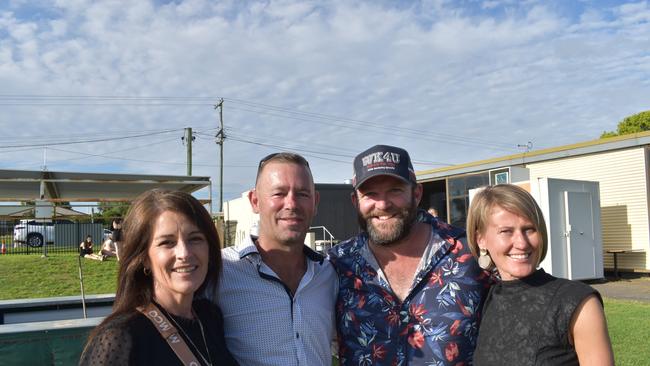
[[484, 259], [146, 271]]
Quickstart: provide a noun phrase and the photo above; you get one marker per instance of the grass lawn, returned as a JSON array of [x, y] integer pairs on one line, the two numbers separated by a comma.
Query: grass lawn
[[30, 276], [629, 329]]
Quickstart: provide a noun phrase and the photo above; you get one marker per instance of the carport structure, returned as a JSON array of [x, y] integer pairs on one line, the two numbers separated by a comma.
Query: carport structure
[[49, 188], [56, 187]]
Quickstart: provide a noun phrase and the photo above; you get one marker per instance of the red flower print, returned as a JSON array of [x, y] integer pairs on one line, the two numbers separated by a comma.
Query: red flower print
[[463, 308], [457, 247], [416, 340], [362, 302], [378, 352], [435, 277], [392, 318], [463, 258], [357, 283], [417, 311], [451, 351], [454, 327]]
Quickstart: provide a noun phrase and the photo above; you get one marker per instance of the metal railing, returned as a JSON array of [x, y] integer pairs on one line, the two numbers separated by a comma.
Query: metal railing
[[327, 241]]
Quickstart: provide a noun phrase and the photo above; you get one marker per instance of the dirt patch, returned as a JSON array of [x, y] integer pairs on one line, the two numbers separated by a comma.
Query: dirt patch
[[628, 287]]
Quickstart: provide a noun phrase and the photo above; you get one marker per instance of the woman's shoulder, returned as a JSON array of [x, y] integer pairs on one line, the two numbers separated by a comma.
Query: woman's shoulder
[[572, 289], [122, 324], [111, 342]]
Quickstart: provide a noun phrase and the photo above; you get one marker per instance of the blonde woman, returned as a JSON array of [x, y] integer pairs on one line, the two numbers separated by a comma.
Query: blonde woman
[[529, 316]]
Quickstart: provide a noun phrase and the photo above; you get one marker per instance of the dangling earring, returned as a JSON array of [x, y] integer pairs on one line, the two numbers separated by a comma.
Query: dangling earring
[[146, 271], [484, 259]]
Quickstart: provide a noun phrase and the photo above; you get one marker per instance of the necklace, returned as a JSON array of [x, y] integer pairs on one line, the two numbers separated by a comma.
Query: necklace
[[205, 343], [203, 336]]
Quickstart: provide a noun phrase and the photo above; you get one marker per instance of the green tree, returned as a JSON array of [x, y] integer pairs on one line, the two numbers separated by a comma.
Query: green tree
[[111, 210], [632, 124]]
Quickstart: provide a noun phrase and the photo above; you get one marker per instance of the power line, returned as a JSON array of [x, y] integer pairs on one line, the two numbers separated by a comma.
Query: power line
[[302, 148], [281, 112], [74, 142], [395, 131], [283, 148], [106, 155]]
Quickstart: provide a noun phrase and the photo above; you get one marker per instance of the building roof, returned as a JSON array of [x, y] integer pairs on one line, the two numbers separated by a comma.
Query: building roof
[[13, 212], [22, 185], [582, 148]]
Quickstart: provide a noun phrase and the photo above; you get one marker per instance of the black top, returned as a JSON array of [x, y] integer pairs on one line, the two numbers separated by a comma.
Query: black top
[[117, 234], [526, 322], [133, 340]]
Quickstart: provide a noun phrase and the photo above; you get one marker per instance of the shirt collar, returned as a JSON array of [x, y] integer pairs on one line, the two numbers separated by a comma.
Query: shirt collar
[[248, 247]]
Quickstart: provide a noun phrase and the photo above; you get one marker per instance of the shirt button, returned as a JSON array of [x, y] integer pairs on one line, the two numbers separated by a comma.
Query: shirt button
[[297, 335]]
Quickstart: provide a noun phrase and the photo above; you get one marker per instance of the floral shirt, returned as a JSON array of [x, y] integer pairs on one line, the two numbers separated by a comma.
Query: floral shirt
[[436, 324]]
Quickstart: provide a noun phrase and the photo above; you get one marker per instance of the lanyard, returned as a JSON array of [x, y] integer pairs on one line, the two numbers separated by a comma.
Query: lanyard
[[170, 334]]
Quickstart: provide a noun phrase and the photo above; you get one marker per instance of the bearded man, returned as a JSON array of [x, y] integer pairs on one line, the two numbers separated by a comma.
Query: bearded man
[[410, 291]]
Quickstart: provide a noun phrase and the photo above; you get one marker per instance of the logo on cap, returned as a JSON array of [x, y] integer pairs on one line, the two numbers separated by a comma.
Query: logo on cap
[[382, 160]]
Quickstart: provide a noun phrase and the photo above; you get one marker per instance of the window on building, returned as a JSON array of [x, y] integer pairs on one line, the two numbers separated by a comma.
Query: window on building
[[459, 195]]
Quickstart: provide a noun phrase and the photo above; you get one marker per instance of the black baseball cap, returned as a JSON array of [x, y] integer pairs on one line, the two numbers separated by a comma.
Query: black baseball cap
[[382, 160]]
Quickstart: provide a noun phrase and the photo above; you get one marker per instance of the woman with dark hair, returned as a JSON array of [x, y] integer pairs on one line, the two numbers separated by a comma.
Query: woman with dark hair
[[530, 317], [116, 234], [170, 258]]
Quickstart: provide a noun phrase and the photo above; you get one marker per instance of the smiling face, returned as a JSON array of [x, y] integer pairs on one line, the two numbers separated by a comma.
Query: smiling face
[[387, 208], [177, 256], [286, 201], [513, 242]]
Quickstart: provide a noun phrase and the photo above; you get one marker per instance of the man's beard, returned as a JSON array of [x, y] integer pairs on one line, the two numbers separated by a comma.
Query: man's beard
[[402, 228]]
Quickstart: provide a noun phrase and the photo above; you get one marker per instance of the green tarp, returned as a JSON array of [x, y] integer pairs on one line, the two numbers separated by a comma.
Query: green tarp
[[61, 347]]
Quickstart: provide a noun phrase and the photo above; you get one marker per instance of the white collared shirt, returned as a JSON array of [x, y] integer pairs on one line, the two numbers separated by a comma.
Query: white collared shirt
[[263, 323]]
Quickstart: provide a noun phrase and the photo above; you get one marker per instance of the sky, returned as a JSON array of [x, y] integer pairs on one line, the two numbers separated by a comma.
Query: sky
[[110, 86]]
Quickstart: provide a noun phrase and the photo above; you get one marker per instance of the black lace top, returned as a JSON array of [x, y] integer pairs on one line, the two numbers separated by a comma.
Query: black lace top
[[133, 340], [526, 322]]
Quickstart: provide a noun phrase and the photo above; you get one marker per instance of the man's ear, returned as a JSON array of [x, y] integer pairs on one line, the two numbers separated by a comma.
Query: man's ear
[[417, 192], [252, 198], [355, 199]]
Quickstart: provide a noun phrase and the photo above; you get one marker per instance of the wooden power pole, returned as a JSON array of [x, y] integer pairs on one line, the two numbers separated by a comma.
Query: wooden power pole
[[221, 136], [188, 144]]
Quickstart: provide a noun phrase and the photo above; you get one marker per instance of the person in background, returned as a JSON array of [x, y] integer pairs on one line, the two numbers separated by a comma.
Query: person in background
[[410, 292], [530, 317], [86, 249], [277, 294], [117, 236], [109, 248], [169, 260]]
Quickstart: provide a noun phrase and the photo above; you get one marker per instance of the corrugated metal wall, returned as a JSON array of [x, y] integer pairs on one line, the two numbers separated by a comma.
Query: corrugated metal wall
[[335, 211], [623, 196]]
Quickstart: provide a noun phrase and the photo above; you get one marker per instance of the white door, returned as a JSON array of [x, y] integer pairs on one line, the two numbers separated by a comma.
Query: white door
[[579, 232]]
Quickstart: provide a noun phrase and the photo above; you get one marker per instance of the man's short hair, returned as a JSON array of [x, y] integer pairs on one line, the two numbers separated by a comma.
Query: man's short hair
[[282, 157]]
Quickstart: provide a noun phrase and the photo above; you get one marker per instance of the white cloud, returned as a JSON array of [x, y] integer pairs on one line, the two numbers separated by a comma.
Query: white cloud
[[473, 80]]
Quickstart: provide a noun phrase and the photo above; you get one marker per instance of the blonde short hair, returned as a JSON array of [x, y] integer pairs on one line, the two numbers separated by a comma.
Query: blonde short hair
[[511, 198]]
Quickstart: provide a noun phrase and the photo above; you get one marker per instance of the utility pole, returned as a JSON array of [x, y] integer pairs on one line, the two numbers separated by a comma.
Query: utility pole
[[221, 135], [188, 138]]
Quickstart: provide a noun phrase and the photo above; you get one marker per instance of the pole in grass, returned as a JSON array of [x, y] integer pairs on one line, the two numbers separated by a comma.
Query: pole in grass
[[81, 282]]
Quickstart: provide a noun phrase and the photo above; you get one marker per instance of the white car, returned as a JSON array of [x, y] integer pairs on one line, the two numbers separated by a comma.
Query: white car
[[34, 233], [107, 234]]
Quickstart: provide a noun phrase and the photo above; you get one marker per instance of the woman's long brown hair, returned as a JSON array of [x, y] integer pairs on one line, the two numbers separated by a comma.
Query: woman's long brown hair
[[134, 288]]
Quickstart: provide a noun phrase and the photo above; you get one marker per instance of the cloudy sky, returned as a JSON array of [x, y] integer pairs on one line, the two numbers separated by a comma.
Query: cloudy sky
[[109, 86]]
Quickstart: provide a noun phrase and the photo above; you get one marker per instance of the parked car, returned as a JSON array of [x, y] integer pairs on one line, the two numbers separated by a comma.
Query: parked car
[[34, 233], [106, 234]]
